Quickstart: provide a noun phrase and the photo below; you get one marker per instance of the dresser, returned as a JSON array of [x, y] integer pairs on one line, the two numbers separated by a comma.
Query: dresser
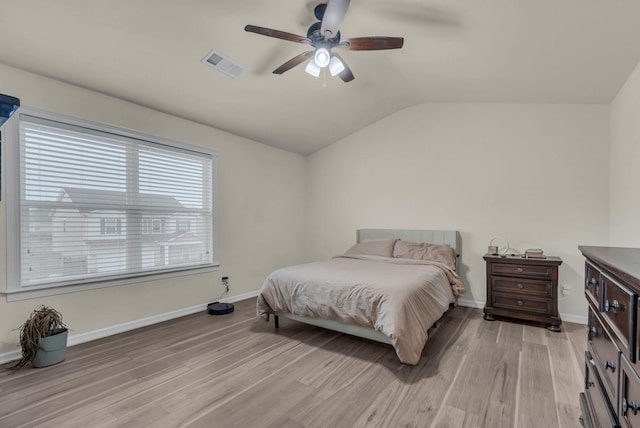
[[611, 396], [523, 288]]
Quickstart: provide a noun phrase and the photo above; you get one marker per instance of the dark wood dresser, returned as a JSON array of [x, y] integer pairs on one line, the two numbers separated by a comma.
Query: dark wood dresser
[[523, 288], [612, 385]]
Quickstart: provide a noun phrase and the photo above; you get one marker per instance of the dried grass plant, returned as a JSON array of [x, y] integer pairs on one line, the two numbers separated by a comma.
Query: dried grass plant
[[43, 322]]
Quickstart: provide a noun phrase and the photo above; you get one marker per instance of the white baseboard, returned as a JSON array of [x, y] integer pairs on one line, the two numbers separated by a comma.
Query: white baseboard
[[132, 325], [578, 319], [471, 303]]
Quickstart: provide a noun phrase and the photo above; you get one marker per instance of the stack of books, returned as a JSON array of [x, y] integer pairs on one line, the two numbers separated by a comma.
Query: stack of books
[[534, 253]]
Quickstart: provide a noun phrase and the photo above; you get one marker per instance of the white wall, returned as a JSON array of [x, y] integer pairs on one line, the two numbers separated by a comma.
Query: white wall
[[534, 174], [261, 190], [625, 164]]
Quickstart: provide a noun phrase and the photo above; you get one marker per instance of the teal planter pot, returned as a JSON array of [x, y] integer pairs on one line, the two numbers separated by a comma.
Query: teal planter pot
[[51, 349]]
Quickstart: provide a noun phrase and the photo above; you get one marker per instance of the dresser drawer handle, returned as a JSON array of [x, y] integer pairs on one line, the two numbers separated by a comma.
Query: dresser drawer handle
[[589, 383], [520, 270], [614, 306], [520, 286], [610, 365], [590, 283], [633, 406], [593, 332], [520, 303]]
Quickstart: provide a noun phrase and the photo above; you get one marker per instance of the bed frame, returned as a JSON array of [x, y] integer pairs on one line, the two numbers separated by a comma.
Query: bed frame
[[449, 237]]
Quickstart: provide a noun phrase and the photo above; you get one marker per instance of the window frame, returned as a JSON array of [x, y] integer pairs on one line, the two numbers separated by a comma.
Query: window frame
[[10, 145]]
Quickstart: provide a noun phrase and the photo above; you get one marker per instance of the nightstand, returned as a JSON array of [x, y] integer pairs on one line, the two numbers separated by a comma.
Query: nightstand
[[523, 288]]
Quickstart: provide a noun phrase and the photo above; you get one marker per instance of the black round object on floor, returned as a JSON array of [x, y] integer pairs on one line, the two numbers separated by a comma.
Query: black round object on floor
[[219, 308]]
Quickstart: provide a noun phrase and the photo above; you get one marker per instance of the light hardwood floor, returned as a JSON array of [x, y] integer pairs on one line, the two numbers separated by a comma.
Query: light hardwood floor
[[238, 371]]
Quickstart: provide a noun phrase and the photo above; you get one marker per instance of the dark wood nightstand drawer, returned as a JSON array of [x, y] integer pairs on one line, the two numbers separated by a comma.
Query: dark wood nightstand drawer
[[527, 287], [522, 270], [619, 312], [592, 287], [604, 352], [520, 303]]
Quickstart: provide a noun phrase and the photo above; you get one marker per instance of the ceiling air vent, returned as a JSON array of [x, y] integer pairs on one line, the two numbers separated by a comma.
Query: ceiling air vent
[[223, 63]]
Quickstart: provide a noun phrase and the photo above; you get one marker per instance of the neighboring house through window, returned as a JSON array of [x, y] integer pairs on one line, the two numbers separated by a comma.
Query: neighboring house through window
[[98, 205]]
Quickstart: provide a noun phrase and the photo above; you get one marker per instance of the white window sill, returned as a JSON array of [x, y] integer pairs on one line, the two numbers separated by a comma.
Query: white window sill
[[43, 291]]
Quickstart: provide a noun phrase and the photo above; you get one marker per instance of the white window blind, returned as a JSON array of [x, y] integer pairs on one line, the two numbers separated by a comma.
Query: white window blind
[[97, 205]]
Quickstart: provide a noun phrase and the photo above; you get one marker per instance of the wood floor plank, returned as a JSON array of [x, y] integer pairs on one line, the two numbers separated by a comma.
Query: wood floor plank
[[534, 334], [456, 418], [497, 372], [511, 335], [188, 404], [241, 371], [274, 400], [567, 380], [340, 408], [201, 376], [536, 394], [488, 331]]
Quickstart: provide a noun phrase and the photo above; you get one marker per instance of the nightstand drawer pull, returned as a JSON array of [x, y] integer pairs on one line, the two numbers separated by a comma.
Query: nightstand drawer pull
[[520, 270], [610, 365], [520, 286], [520, 303], [589, 383]]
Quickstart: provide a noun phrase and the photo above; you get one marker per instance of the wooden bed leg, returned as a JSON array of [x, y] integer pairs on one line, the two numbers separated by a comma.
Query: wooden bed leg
[[276, 319]]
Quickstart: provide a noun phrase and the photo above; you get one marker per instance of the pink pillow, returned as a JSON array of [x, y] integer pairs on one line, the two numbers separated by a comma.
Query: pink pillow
[[425, 251], [381, 247]]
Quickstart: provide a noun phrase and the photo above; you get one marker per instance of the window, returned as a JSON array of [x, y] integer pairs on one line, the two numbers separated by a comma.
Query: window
[[183, 225], [92, 204], [110, 226], [152, 225]]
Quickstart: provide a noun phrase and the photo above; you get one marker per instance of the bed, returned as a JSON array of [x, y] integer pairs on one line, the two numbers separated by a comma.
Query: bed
[[391, 287]]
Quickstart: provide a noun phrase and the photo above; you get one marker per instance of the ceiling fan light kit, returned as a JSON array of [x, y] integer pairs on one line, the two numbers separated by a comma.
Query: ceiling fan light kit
[[324, 36]]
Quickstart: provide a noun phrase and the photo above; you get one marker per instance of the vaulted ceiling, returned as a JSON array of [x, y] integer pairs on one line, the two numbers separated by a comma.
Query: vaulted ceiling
[[149, 52]]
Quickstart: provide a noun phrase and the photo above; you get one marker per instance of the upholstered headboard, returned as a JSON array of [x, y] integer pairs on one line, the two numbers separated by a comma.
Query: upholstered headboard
[[449, 237]]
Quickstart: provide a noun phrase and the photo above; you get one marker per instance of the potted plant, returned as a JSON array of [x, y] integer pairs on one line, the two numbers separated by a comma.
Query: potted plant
[[43, 338]]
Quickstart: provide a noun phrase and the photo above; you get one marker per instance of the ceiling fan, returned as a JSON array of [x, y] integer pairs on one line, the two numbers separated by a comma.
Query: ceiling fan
[[324, 36]]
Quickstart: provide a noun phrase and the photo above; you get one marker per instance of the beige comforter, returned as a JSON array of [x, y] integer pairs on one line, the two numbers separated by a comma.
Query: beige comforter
[[401, 298]]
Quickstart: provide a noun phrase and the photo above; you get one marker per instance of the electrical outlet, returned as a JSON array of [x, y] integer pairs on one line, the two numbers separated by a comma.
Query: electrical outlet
[[224, 280], [565, 290]]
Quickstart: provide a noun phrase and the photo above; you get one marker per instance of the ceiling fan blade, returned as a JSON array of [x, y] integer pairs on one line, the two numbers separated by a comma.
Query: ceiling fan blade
[[346, 75], [277, 34], [333, 17], [293, 62], [375, 43]]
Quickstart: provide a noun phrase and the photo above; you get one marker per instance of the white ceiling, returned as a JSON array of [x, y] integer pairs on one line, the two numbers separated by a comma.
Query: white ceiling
[[149, 52]]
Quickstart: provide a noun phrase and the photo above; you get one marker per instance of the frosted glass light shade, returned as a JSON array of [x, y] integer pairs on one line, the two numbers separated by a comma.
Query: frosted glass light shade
[[312, 69], [335, 66]]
